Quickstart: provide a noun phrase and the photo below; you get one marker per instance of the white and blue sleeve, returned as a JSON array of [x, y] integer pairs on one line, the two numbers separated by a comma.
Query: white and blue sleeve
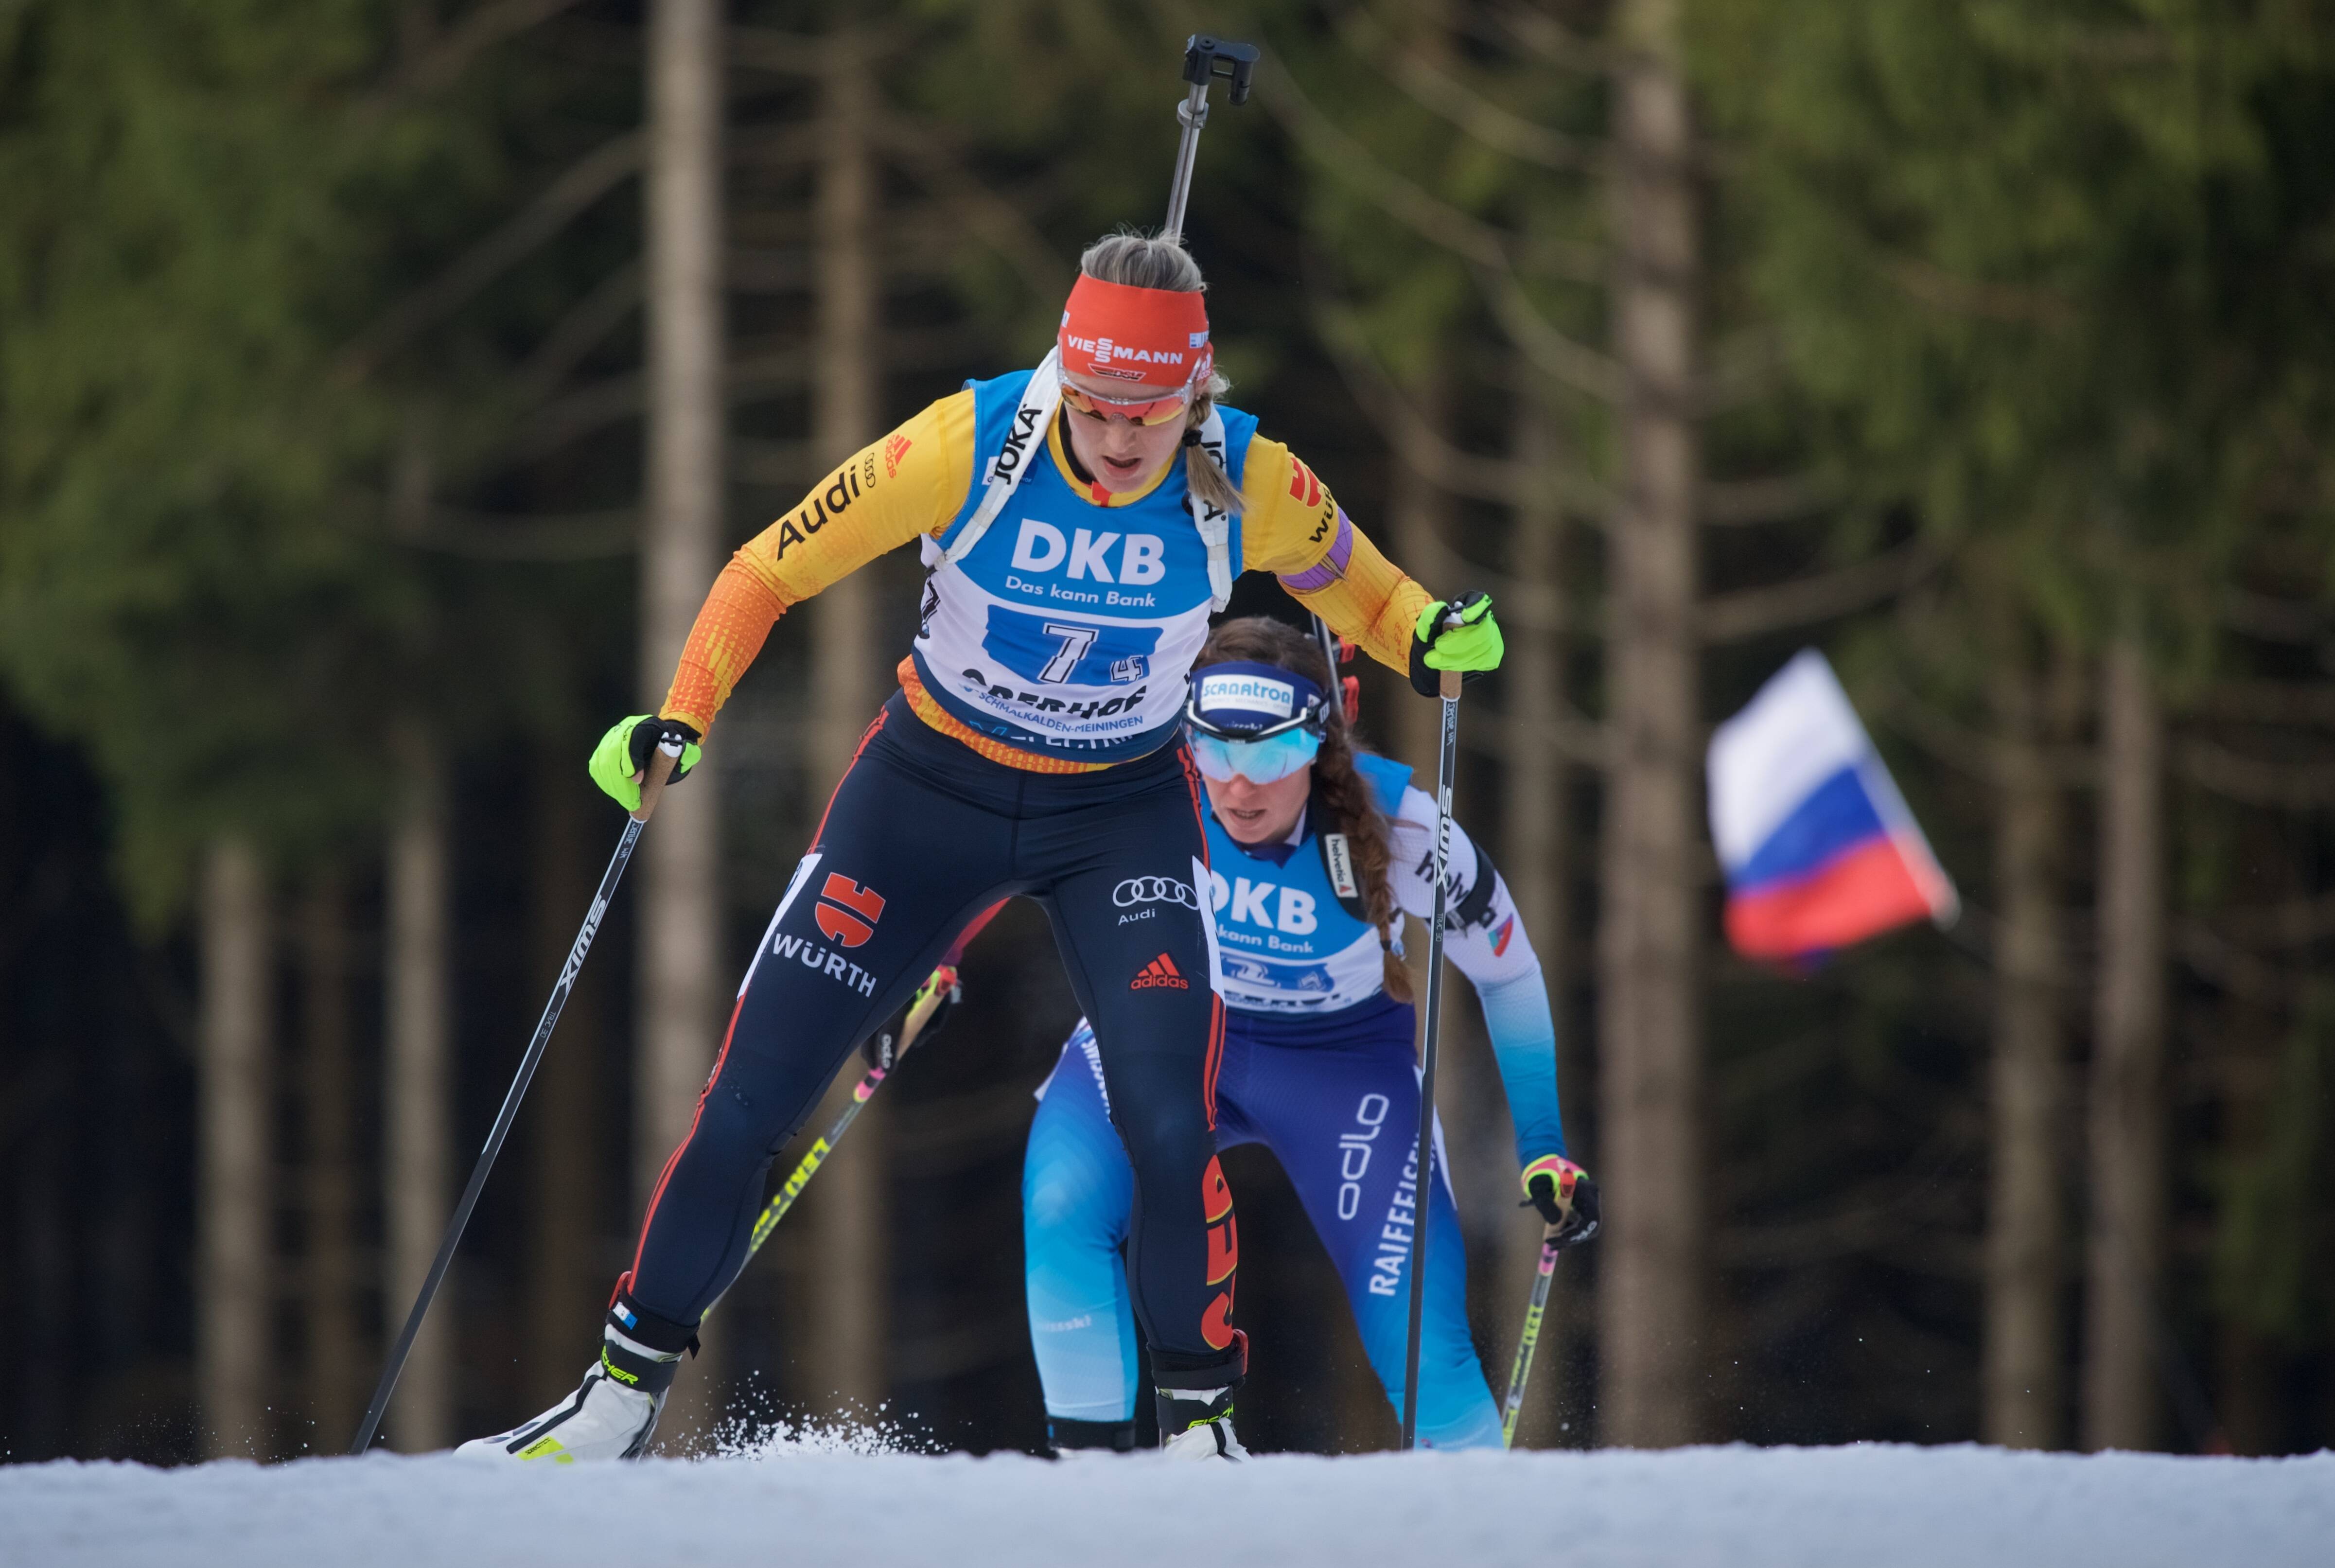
[[1485, 938]]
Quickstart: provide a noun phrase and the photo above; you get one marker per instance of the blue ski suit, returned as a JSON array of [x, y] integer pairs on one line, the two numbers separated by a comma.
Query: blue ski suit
[[1320, 1065]]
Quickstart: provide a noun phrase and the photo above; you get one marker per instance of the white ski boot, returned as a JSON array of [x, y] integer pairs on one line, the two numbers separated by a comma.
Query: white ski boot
[[1197, 1424], [602, 1419], [612, 1413]]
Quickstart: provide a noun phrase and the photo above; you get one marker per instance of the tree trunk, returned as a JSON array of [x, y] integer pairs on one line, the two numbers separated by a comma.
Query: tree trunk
[[233, 1319], [679, 992], [564, 1283], [1650, 1310], [1537, 850], [2127, 1107], [2025, 1226], [336, 1355], [418, 1098], [846, 1319]]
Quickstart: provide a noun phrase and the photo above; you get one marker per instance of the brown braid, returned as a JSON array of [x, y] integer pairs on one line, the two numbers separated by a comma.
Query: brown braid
[[1341, 794]]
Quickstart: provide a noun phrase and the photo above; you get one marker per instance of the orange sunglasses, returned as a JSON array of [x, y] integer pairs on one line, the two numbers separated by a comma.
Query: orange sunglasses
[[1143, 412]]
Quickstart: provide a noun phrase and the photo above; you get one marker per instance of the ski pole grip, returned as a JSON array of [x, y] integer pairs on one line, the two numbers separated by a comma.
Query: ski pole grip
[[1450, 685], [661, 767], [1207, 58]]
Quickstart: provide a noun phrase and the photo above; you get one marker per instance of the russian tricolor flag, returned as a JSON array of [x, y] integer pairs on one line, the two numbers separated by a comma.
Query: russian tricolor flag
[[1817, 845]]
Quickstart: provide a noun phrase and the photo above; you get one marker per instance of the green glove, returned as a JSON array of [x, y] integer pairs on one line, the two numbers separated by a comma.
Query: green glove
[[1473, 648], [621, 761]]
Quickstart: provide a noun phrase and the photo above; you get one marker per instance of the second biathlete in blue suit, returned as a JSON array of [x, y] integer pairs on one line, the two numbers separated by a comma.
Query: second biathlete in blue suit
[[1315, 853]]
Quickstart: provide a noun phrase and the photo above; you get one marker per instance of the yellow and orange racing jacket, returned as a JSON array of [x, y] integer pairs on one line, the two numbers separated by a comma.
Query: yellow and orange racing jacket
[[914, 484]]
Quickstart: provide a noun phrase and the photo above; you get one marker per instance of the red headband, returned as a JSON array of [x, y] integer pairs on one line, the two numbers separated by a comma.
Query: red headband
[[1145, 336]]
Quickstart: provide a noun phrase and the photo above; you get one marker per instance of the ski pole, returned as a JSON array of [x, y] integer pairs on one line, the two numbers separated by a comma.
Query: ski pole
[[661, 767], [1204, 59], [941, 986], [1521, 1371], [1447, 757]]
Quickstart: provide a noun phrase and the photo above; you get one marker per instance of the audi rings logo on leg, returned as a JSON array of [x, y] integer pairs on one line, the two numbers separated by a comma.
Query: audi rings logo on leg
[[1138, 890]]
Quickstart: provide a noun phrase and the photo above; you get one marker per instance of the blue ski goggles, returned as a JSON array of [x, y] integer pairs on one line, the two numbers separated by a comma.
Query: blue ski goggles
[[1259, 721], [1265, 762]]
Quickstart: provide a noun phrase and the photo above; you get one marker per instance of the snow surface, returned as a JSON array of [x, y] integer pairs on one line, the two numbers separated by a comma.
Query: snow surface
[[1738, 1507]]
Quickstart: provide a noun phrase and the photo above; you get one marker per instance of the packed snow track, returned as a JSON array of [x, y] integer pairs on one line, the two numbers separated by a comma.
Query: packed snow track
[[1861, 1507]]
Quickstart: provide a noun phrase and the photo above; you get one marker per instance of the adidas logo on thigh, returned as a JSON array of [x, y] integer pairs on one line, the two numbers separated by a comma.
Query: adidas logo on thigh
[[1160, 972]]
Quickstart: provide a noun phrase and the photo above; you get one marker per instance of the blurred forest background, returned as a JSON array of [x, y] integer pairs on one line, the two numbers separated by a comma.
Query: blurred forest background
[[382, 383]]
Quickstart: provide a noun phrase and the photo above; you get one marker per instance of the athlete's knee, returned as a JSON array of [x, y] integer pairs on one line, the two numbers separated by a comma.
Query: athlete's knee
[[741, 1123], [1066, 1202], [1165, 1139]]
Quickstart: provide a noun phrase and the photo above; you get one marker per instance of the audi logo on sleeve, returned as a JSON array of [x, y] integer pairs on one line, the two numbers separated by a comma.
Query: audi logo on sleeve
[[1138, 890]]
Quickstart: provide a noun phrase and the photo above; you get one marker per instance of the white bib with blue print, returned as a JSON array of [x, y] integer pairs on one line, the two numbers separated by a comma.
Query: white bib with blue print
[[1060, 626]]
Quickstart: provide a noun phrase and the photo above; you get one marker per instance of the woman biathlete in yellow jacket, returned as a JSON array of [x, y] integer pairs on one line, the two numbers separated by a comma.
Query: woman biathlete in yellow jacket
[[1034, 748]]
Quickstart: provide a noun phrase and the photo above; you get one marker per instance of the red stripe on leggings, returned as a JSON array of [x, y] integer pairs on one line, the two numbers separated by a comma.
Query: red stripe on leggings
[[674, 1158], [1214, 1062], [1215, 1057], [861, 751]]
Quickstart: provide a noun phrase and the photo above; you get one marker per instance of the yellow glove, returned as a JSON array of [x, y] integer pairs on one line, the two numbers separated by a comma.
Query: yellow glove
[[1472, 646], [621, 761]]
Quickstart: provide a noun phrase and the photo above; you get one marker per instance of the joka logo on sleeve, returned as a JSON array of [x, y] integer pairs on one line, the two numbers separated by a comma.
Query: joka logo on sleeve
[[1160, 973], [842, 904]]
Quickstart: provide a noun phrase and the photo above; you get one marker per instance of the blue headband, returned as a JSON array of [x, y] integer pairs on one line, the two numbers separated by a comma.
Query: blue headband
[[1242, 699]]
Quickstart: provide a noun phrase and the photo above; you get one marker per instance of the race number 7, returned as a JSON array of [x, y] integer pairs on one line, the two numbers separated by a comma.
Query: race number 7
[[1076, 640]]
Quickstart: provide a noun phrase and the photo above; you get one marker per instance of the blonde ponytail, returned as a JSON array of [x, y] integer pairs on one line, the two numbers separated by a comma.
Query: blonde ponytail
[[1202, 472]]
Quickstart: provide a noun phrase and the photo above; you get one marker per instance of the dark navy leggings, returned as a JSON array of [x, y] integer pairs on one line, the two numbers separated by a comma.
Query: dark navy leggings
[[1337, 1101], [923, 835]]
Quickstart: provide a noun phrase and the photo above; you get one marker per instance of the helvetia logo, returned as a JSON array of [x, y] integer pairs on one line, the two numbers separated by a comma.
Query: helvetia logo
[[1157, 974], [844, 926]]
